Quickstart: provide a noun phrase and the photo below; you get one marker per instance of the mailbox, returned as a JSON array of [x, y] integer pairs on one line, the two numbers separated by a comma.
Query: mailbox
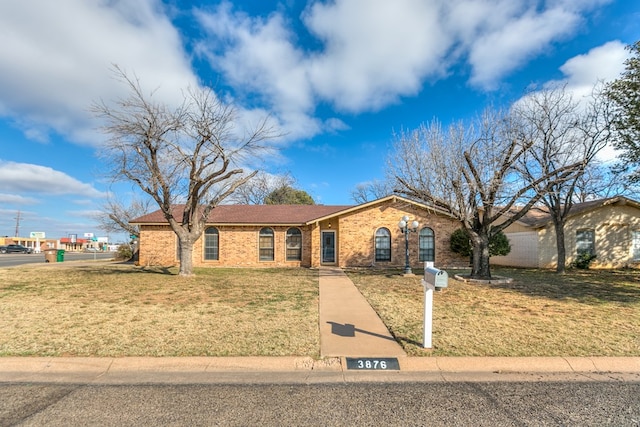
[[436, 277]]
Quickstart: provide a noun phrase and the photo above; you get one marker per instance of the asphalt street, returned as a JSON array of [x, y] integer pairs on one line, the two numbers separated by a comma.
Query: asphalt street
[[12, 260], [548, 403]]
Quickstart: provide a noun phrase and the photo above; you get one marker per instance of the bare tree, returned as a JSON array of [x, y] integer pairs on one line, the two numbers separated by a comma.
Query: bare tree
[[116, 215], [372, 190], [468, 172], [188, 156], [563, 132], [599, 181], [259, 187]]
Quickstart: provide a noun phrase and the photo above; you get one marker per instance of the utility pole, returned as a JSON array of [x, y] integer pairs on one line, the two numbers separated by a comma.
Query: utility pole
[[17, 225]]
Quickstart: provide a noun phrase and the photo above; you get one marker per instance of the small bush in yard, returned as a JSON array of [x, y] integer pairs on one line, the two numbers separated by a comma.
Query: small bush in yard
[[124, 252], [460, 243], [583, 261]]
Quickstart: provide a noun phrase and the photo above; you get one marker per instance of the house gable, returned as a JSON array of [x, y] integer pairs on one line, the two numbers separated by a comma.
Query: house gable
[[358, 226]]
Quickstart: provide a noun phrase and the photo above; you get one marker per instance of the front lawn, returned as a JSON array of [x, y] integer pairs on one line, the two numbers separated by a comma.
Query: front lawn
[[582, 313], [123, 310]]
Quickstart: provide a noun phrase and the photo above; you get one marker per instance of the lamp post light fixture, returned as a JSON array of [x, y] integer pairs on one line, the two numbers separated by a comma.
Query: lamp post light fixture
[[406, 228]]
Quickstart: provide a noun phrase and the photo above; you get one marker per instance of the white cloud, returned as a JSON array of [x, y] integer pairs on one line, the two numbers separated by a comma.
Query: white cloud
[[366, 55], [500, 36], [263, 59], [604, 63], [583, 72], [15, 199], [375, 50], [55, 59], [87, 214], [370, 53], [36, 179], [258, 58], [502, 50]]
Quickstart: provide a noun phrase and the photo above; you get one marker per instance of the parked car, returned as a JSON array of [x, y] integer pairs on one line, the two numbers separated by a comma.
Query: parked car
[[15, 249]]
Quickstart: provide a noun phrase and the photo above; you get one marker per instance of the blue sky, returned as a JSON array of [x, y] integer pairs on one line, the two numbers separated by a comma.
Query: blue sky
[[337, 77]]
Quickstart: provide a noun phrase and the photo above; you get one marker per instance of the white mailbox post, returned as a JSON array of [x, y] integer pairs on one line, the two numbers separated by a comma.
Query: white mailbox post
[[433, 279]]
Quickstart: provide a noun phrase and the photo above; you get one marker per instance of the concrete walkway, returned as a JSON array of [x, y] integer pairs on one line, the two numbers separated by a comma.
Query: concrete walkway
[[348, 325]]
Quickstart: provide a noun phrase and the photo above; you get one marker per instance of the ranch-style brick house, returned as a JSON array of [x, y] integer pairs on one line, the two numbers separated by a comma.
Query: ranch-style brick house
[[608, 228], [365, 235]]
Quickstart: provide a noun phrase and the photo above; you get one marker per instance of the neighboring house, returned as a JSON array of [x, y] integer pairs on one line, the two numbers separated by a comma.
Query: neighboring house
[[608, 228], [365, 235]]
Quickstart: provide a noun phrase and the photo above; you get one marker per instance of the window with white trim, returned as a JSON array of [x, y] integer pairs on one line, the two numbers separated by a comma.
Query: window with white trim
[[635, 245]]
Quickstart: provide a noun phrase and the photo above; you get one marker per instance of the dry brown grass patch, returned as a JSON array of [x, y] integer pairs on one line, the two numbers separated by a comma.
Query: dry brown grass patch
[[116, 310], [590, 313]]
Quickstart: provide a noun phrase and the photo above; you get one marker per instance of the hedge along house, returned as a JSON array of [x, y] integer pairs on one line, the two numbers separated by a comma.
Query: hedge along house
[[608, 228], [365, 235]]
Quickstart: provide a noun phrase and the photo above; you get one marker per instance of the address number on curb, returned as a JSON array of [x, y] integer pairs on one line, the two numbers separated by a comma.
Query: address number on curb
[[373, 364]]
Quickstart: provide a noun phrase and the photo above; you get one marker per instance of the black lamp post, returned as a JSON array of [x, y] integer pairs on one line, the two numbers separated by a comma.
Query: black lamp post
[[406, 228]]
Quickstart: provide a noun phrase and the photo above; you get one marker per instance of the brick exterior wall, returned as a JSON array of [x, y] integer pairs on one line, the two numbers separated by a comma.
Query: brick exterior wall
[[238, 247], [355, 237], [157, 245]]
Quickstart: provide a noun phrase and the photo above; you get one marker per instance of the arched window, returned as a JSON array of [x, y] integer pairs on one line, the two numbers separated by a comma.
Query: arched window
[[427, 243], [294, 244], [383, 245], [211, 244], [266, 244]]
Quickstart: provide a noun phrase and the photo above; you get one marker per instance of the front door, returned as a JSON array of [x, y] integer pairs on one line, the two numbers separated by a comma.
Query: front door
[[328, 247]]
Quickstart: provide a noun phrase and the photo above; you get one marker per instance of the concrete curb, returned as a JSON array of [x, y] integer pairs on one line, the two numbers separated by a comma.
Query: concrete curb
[[172, 369], [523, 364]]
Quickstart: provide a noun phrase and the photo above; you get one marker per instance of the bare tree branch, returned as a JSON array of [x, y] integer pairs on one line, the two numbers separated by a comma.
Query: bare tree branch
[[469, 171], [566, 136], [191, 154]]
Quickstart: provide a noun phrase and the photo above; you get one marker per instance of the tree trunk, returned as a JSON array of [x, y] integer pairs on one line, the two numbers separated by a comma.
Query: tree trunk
[[480, 268], [560, 248], [186, 257]]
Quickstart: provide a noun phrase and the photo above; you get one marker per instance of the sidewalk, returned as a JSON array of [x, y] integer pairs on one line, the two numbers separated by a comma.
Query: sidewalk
[[305, 370], [348, 324]]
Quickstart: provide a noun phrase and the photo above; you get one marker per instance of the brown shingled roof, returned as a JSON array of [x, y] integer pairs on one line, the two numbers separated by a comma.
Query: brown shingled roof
[[253, 214], [539, 216]]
